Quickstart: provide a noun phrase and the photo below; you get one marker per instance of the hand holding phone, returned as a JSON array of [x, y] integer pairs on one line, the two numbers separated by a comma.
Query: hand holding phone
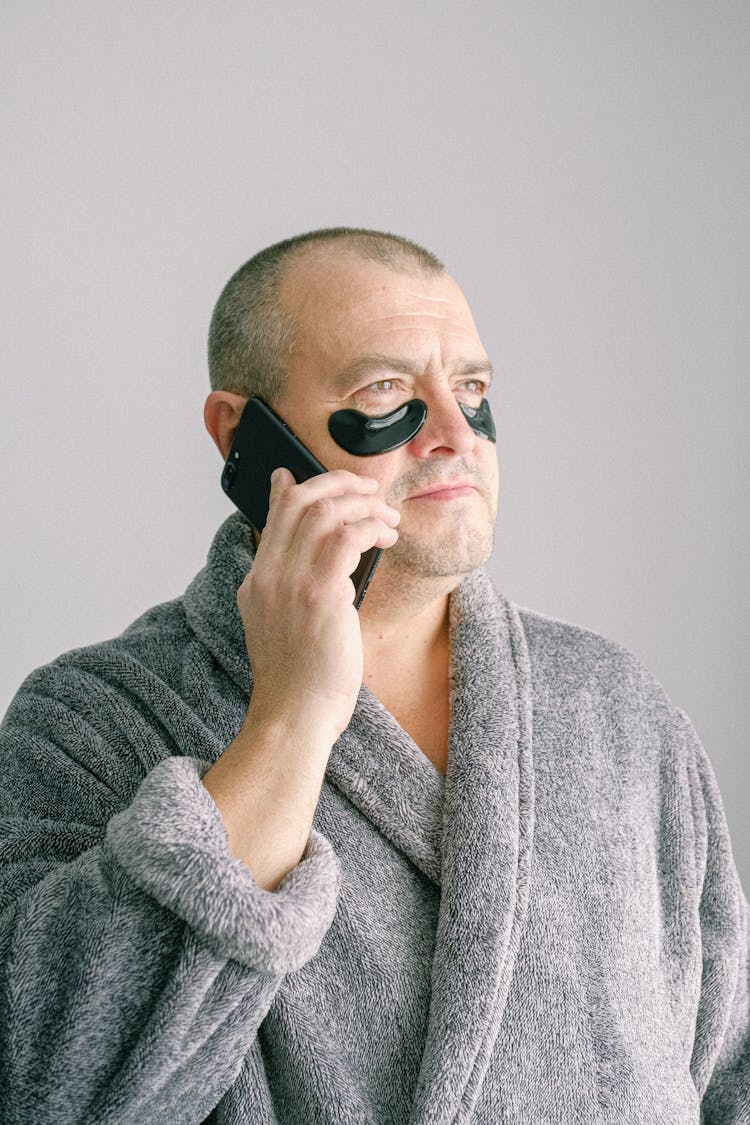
[[302, 631], [263, 442], [304, 645]]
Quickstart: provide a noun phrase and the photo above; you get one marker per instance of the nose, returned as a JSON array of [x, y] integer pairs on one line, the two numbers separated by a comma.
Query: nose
[[445, 430]]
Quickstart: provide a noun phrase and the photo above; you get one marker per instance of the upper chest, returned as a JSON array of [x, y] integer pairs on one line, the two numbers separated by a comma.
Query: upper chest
[[419, 700]]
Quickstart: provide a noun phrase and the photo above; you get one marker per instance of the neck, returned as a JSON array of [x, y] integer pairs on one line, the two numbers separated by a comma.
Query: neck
[[402, 627], [419, 630], [406, 649]]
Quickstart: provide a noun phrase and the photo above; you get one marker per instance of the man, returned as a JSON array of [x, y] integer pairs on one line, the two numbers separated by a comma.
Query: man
[[444, 859]]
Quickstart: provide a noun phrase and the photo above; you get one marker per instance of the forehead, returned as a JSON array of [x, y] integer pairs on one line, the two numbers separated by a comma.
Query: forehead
[[345, 306]]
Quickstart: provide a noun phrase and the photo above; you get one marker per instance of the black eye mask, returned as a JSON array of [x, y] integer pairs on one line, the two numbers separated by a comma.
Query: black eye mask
[[365, 436]]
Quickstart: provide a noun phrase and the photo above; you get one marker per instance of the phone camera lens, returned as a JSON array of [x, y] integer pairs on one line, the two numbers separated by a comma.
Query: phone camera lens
[[227, 477]]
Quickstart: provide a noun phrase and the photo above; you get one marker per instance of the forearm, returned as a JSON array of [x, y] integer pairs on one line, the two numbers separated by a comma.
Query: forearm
[[266, 785]]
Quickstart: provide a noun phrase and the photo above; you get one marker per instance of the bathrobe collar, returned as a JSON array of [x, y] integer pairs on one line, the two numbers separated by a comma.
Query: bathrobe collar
[[470, 833]]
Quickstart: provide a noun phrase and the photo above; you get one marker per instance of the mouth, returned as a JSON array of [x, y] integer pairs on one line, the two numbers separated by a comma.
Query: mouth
[[444, 490]]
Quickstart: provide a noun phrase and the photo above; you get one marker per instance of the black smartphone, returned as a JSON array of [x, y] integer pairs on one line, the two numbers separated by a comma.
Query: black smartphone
[[262, 443]]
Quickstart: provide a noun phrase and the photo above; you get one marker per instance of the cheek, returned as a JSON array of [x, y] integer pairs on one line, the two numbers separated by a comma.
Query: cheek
[[490, 468], [312, 431], [494, 467], [334, 457]]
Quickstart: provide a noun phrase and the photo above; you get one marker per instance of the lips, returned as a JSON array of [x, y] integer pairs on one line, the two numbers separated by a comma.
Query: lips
[[447, 489]]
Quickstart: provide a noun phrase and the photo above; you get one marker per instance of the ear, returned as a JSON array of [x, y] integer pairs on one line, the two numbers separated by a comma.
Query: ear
[[221, 414]]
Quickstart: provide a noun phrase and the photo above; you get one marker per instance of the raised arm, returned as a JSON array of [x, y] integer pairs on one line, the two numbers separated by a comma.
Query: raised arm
[[305, 648], [141, 944]]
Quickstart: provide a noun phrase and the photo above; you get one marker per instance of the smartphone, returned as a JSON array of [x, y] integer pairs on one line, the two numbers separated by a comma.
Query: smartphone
[[262, 443]]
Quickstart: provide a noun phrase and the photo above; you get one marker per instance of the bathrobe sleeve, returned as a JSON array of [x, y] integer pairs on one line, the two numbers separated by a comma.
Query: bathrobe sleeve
[[137, 956], [721, 1054]]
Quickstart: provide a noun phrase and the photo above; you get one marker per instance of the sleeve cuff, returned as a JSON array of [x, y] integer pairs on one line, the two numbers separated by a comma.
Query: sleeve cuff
[[172, 842]]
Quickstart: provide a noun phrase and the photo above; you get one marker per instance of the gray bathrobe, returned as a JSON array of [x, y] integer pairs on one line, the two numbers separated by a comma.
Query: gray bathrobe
[[554, 932]]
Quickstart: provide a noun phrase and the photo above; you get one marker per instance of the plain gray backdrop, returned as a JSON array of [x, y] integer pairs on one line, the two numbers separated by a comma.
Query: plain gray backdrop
[[582, 168]]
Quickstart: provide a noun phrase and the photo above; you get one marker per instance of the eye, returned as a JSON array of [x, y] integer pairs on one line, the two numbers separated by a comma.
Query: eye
[[379, 396], [472, 391]]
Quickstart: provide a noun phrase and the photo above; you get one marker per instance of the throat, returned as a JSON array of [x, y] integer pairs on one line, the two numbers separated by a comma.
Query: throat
[[412, 683]]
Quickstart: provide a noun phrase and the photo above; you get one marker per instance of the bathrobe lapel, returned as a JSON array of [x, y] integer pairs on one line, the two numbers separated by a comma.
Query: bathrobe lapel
[[378, 767], [471, 833], [487, 835]]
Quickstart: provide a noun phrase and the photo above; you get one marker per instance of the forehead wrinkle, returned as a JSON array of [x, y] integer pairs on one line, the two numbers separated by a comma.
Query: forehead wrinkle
[[427, 314], [427, 297]]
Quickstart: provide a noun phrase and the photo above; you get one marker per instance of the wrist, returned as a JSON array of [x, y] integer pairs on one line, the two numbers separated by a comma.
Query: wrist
[[303, 720]]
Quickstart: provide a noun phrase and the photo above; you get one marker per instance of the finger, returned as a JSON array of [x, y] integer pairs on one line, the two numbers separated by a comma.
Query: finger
[[300, 496], [329, 516], [281, 479], [343, 497], [331, 511], [343, 548]]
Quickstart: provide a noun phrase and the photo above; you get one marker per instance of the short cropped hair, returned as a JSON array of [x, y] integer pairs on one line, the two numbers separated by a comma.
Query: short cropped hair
[[251, 332]]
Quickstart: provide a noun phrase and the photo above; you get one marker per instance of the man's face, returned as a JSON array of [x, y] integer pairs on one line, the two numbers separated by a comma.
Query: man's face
[[370, 339]]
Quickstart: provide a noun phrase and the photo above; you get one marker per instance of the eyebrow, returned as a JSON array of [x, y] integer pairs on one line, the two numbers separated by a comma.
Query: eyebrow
[[375, 363]]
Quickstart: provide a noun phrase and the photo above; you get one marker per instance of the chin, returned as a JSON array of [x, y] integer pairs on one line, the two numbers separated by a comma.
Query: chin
[[431, 559]]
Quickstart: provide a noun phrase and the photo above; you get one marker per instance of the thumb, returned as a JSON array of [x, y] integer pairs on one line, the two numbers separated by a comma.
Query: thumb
[[281, 479]]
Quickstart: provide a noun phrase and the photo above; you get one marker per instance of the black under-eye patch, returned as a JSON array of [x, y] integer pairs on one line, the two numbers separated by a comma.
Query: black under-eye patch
[[480, 419], [365, 436]]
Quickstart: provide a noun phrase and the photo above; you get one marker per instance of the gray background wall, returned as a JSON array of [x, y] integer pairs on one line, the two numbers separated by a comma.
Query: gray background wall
[[582, 168]]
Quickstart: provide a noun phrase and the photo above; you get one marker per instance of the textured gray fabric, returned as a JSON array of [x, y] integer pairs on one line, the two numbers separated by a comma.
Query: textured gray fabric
[[555, 932]]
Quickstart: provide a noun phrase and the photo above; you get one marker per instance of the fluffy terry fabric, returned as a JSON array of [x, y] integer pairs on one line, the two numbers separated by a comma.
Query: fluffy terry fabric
[[555, 932]]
